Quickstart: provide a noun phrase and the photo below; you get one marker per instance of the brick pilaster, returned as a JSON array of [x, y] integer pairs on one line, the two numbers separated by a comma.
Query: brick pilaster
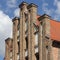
[[21, 38], [7, 52], [15, 46], [46, 41], [40, 41], [31, 38], [7, 48], [23, 10]]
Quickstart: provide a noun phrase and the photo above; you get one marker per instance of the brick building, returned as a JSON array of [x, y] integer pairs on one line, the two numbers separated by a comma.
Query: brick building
[[35, 37]]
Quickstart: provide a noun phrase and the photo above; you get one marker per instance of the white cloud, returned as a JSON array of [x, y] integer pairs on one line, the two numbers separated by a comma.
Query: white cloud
[[57, 4], [45, 8], [5, 30], [57, 11], [11, 3], [50, 11], [17, 12]]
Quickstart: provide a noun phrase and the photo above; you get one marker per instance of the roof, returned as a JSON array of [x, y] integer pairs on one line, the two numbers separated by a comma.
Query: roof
[[54, 29]]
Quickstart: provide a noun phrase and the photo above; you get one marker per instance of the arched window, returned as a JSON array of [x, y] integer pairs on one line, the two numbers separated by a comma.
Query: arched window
[[37, 56], [36, 39]]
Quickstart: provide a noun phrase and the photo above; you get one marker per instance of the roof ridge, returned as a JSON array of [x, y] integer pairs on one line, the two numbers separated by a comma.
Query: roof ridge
[[55, 20]]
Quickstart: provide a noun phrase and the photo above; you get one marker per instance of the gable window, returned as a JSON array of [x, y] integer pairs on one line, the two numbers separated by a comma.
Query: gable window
[[56, 44], [47, 52], [36, 39], [26, 42], [37, 56], [35, 28]]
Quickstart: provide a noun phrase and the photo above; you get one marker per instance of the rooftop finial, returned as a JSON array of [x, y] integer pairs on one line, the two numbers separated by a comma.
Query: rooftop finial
[[23, 3]]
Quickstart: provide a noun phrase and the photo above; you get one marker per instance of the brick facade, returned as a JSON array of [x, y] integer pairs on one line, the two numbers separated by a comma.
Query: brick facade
[[25, 30]]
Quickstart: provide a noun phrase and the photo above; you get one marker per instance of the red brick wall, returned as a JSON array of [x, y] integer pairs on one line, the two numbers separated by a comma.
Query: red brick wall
[[55, 53]]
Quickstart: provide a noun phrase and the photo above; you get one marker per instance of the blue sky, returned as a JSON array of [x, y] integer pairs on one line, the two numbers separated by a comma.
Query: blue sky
[[51, 7], [9, 9]]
